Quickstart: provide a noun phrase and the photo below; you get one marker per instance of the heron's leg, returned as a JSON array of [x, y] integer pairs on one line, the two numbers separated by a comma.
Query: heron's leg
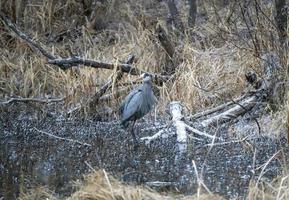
[[133, 134]]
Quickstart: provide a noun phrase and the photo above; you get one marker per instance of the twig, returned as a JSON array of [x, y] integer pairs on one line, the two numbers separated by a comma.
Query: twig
[[266, 164], [61, 138], [198, 178], [148, 139], [199, 132], [224, 143], [25, 100], [71, 110], [160, 184], [109, 184], [90, 167], [280, 187]]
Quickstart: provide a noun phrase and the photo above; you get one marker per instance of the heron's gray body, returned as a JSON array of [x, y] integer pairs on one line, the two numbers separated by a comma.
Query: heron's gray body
[[138, 103]]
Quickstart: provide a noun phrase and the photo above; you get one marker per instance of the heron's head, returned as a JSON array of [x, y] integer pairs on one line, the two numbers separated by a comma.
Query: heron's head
[[146, 77]]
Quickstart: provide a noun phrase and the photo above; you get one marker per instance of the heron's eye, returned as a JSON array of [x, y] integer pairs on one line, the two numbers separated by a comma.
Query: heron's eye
[[147, 75]]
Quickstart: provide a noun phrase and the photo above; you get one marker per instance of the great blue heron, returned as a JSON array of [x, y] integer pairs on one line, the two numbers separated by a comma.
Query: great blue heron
[[137, 103]]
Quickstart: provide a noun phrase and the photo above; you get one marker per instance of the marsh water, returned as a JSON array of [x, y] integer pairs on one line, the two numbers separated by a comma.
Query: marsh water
[[30, 157]]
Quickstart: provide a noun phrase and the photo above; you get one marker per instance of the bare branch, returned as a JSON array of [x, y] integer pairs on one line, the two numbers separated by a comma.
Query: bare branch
[[159, 134], [127, 68], [61, 138], [66, 63], [35, 46], [196, 131], [25, 100]]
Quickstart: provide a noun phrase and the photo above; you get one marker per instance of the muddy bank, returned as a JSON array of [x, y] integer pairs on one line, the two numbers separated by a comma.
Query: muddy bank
[[29, 157]]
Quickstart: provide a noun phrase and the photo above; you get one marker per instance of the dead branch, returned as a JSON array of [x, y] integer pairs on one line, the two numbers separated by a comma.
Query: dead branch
[[196, 131], [26, 100], [160, 134], [61, 138], [181, 126], [109, 84], [33, 45], [66, 63], [177, 119]]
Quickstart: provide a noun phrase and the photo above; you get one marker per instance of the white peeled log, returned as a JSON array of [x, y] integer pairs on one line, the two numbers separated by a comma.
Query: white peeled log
[[177, 119], [232, 113]]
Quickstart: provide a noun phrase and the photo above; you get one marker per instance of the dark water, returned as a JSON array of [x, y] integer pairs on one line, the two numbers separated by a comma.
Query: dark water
[[29, 158]]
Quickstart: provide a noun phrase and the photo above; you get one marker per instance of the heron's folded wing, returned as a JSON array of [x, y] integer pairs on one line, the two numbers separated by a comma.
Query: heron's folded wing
[[132, 106], [127, 99]]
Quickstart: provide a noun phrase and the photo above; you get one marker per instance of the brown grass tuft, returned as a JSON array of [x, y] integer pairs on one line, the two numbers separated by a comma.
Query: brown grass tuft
[[98, 186]]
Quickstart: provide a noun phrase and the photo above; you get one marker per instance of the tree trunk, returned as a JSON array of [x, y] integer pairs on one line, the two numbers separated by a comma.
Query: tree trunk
[[281, 20], [192, 13]]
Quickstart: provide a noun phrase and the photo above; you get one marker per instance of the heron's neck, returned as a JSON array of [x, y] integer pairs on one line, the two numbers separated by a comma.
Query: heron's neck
[[147, 85]]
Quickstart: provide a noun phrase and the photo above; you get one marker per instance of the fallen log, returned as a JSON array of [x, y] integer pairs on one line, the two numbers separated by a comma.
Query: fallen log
[[231, 113], [215, 109], [181, 128], [269, 91]]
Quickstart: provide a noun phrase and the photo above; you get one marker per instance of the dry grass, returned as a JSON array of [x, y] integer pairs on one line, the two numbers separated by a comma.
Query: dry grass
[[100, 186], [205, 78], [277, 189]]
